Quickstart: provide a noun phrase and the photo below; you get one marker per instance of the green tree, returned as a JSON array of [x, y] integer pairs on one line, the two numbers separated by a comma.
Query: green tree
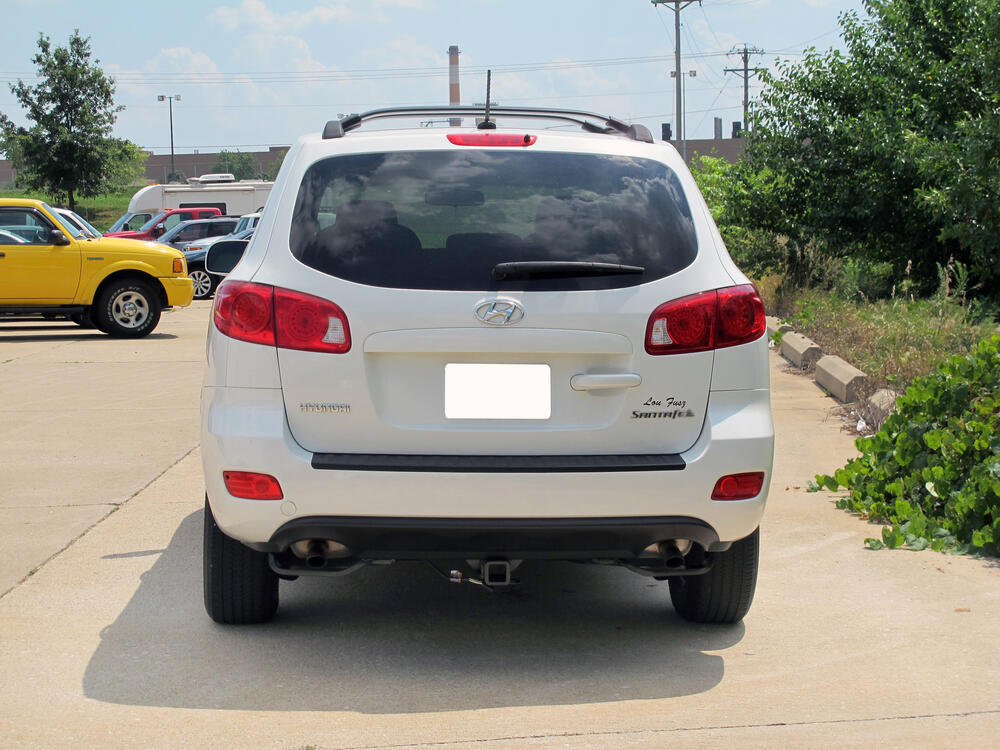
[[237, 163], [68, 151], [275, 166], [889, 151], [730, 193]]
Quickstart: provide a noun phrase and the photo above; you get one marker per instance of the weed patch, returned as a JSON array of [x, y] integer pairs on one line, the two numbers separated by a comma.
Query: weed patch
[[894, 341]]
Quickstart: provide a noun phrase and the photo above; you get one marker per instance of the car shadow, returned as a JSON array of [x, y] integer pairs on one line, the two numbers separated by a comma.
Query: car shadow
[[401, 639], [71, 332]]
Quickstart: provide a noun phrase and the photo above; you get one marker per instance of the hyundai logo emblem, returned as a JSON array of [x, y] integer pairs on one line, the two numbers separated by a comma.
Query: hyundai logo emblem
[[499, 312]]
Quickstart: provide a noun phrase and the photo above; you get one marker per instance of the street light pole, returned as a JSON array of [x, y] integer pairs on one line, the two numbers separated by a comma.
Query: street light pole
[[170, 104]]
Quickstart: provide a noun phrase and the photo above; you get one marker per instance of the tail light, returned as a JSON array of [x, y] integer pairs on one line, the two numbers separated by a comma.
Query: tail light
[[272, 316], [252, 486], [709, 320], [739, 486], [309, 323], [245, 311]]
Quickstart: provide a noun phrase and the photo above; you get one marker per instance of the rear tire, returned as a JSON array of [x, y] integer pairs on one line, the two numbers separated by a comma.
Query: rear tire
[[724, 593], [240, 587]]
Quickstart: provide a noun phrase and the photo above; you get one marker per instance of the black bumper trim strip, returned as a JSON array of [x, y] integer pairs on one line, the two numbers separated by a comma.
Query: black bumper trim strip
[[497, 464], [377, 537]]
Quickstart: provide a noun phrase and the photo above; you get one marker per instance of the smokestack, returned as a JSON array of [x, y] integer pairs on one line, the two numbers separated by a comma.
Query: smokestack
[[454, 96]]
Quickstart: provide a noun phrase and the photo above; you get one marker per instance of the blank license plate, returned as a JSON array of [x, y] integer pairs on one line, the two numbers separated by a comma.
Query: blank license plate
[[497, 391]]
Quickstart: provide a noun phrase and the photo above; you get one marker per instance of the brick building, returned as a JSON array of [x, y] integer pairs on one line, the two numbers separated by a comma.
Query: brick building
[[192, 165]]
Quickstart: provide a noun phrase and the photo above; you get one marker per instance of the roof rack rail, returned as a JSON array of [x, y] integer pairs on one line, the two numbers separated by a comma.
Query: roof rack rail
[[589, 121]]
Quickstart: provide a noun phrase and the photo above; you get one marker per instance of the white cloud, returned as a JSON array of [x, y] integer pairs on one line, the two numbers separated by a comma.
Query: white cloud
[[274, 52], [254, 14], [406, 52], [407, 4], [182, 60]]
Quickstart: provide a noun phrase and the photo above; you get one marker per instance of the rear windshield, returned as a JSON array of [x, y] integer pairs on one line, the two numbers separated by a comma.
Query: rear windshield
[[445, 220]]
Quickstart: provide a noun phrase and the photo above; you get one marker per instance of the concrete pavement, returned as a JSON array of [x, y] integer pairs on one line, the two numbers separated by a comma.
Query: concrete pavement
[[86, 421], [107, 644]]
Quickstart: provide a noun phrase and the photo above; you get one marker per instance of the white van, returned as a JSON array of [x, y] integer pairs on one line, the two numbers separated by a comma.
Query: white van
[[223, 191]]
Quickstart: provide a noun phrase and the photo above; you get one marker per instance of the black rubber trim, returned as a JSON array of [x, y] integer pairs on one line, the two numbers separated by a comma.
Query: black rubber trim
[[497, 464], [42, 309], [378, 537]]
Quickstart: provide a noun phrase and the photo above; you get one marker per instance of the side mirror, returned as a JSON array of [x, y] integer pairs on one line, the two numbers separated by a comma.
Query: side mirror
[[57, 238], [158, 230], [224, 255]]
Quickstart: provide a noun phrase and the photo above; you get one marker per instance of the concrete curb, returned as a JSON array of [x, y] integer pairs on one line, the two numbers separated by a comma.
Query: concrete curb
[[802, 352], [881, 404], [774, 325], [837, 377], [840, 378]]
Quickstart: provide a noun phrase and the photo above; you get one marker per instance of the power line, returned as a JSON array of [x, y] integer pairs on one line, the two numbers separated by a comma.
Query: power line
[[365, 74]]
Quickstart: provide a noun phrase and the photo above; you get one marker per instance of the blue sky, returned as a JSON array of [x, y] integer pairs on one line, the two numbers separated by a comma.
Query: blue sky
[[258, 73]]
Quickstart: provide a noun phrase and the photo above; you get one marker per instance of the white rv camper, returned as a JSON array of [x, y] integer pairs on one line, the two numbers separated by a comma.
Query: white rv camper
[[223, 191]]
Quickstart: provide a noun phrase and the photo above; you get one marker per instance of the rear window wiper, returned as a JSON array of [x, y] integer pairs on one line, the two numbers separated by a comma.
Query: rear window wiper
[[543, 269]]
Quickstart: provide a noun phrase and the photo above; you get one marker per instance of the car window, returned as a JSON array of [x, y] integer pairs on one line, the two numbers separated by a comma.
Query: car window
[[67, 225], [445, 219], [9, 238], [129, 223], [86, 225], [192, 232], [173, 220], [152, 222], [26, 224]]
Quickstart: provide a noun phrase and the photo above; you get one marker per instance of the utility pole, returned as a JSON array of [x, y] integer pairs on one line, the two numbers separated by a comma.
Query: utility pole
[[745, 72], [677, 6]]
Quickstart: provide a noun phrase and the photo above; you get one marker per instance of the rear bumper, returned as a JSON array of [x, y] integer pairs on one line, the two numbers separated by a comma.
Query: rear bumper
[[376, 538], [179, 289], [245, 429]]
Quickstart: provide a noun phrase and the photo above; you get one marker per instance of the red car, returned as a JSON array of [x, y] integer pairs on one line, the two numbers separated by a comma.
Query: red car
[[166, 220]]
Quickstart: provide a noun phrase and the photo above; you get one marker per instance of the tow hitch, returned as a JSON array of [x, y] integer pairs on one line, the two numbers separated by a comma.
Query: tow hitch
[[493, 574]]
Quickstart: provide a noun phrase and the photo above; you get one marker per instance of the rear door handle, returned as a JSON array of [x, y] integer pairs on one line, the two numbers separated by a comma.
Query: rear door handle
[[605, 381]]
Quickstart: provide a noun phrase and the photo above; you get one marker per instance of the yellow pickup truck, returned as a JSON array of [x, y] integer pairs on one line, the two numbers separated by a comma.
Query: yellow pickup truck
[[49, 267]]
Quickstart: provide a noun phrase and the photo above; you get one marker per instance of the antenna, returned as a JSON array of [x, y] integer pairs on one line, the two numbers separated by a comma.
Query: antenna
[[486, 124]]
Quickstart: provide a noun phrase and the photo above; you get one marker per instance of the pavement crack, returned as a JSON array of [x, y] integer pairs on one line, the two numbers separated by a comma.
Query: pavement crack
[[112, 507], [673, 730], [109, 503]]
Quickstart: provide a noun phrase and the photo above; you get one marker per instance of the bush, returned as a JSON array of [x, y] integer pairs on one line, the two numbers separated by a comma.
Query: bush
[[933, 470]]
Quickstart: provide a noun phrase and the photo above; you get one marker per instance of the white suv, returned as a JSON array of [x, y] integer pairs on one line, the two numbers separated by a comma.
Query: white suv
[[484, 345]]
